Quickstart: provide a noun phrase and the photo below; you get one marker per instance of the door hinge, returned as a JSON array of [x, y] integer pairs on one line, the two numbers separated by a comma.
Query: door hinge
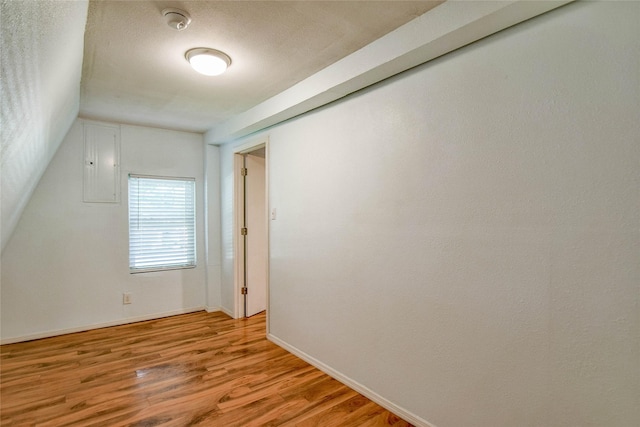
[[243, 231], [245, 290], [244, 171]]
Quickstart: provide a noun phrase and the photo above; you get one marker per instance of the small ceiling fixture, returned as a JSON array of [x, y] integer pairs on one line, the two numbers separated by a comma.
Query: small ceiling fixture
[[176, 18], [209, 62]]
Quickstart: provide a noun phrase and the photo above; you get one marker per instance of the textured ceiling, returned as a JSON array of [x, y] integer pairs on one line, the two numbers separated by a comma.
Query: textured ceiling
[[134, 69], [41, 59]]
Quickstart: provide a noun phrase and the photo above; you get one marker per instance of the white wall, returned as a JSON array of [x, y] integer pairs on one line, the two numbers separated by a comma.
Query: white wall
[[66, 266], [227, 223], [212, 207], [463, 240]]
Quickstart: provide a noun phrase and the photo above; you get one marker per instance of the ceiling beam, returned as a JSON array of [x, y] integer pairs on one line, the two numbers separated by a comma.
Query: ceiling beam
[[443, 29]]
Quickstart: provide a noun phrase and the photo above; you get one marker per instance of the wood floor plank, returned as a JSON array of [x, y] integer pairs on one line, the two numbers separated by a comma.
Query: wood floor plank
[[195, 369]]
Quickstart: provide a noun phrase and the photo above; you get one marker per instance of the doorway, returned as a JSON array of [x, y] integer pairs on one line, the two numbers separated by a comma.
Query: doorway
[[251, 220]]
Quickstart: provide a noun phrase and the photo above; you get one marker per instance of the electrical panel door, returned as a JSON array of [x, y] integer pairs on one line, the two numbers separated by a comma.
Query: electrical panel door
[[101, 163]]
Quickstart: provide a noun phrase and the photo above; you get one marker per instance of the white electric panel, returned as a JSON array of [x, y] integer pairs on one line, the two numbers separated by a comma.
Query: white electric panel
[[101, 163]]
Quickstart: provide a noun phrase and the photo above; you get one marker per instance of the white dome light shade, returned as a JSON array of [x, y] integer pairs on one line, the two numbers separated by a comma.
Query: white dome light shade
[[209, 62]]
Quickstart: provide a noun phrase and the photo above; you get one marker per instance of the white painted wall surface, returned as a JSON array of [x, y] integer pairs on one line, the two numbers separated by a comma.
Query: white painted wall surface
[[212, 242], [227, 224], [463, 240], [67, 265]]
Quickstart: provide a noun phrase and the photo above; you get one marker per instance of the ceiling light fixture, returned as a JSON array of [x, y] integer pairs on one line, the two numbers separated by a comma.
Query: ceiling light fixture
[[209, 62]]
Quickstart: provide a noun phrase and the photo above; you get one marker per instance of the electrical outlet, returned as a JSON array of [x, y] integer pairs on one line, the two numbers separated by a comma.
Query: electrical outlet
[[126, 298]]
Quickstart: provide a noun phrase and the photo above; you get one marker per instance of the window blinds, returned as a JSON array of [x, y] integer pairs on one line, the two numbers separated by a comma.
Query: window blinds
[[161, 223]]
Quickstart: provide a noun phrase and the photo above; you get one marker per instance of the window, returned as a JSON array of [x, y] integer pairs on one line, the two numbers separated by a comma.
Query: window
[[162, 219]]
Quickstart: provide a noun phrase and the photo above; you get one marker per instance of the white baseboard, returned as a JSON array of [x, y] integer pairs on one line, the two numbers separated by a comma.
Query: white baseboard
[[227, 312], [211, 309], [118, 322], [387, 404]]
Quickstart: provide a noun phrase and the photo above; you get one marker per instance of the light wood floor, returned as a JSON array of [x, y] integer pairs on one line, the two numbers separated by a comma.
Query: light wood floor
[[195, 369]]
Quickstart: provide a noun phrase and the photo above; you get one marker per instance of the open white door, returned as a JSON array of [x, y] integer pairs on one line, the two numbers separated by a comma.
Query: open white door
[[256, 237]]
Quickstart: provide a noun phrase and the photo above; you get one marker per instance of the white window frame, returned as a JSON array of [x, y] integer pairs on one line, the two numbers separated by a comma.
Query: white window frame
[[141, 244]]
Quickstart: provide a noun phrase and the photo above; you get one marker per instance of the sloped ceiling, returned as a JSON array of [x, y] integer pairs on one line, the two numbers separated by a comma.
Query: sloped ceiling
[[41, 54]]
